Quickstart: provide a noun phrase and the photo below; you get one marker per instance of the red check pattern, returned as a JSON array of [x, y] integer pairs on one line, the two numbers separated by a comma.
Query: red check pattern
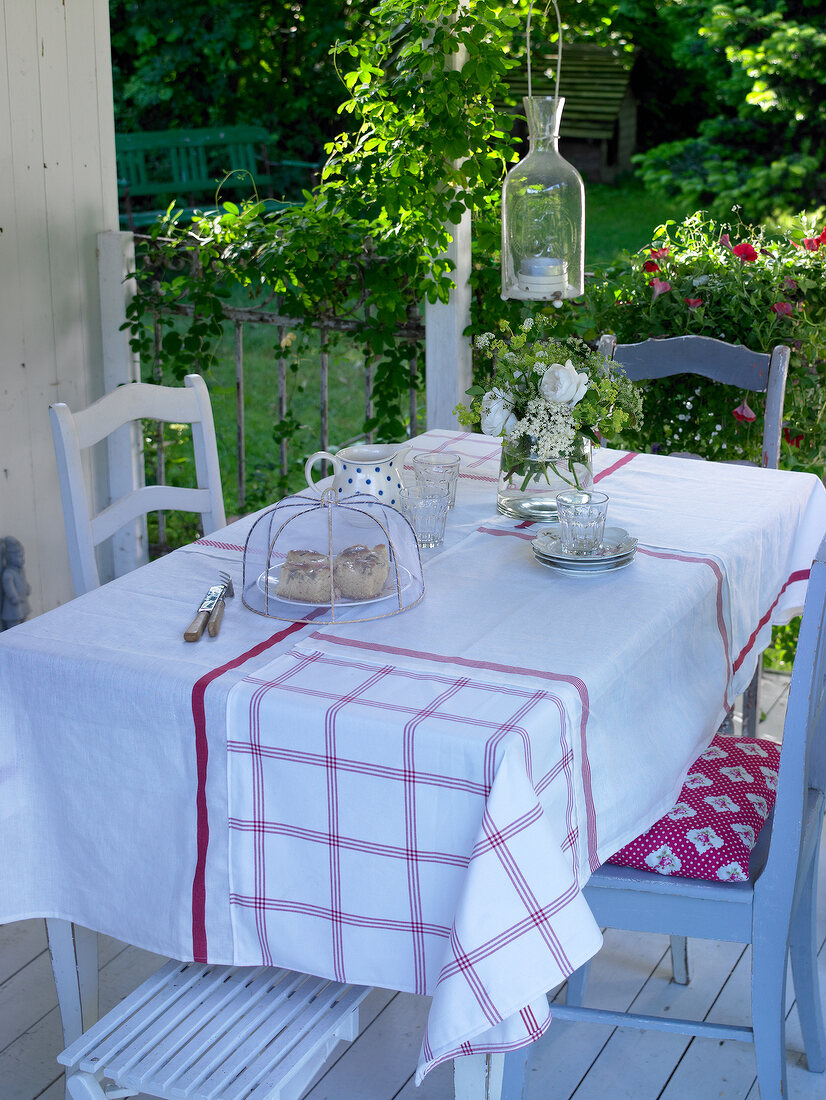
[[333, 741]]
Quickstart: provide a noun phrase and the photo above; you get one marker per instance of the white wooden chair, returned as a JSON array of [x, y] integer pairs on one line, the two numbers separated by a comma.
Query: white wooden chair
[[205, 1032], [75, 432], [774, 911]]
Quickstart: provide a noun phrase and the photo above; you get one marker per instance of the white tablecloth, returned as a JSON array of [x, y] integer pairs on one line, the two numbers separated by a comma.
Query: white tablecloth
[[413, 802]]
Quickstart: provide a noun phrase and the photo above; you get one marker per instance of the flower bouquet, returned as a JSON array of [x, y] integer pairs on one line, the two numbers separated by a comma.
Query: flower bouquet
[[550, 401]]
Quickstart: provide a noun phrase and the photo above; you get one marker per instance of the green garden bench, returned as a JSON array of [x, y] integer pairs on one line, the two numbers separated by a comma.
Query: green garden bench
[[599, 120], [190, 166]]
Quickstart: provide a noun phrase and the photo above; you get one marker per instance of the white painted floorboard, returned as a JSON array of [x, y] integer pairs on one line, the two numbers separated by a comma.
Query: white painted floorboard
[[572, 1062]]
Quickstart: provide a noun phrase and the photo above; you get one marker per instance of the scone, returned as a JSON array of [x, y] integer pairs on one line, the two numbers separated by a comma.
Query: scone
[[305, 576], [359, 573]]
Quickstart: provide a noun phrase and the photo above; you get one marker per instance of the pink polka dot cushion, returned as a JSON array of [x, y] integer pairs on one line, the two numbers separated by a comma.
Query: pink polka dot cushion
[[727, 795]]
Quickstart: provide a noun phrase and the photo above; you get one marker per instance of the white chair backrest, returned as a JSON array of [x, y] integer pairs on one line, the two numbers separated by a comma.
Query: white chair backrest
[[75, 432], [803, 757], [733, 364]]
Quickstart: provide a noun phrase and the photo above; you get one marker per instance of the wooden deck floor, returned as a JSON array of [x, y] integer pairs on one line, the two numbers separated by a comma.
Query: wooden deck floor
[[572, 1062]]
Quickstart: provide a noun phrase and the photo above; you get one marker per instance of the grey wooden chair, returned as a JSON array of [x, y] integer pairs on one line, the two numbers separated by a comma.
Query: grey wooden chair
[[774, 911], [735, 365]]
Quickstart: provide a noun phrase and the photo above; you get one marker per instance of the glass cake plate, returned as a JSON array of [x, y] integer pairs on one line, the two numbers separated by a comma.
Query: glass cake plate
[[268, 583]]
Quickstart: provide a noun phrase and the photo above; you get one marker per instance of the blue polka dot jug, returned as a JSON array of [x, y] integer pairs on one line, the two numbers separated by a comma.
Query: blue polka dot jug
[[364, 468]]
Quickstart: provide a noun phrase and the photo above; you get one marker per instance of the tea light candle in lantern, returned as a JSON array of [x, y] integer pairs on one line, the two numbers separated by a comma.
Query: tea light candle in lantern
[[543, 276]]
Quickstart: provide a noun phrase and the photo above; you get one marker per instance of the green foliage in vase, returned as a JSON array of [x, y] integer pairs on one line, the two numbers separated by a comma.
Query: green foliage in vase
[[543, 394]]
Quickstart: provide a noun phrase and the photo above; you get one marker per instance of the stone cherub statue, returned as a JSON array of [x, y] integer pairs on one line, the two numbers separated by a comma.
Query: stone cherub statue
[[14, 588]]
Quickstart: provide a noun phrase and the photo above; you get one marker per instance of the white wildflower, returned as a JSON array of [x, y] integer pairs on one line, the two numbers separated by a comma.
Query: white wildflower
[[551, 427]]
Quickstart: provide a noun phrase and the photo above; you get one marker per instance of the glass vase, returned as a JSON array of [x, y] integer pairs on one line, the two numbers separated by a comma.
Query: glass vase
[[528, 484], [543, 214]]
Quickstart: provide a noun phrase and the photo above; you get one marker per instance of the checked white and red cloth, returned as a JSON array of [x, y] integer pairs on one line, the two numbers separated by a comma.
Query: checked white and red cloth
[[413, 802]]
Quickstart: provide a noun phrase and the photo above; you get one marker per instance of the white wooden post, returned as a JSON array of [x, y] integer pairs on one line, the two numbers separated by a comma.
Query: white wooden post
[[116, 260], [448, 361]]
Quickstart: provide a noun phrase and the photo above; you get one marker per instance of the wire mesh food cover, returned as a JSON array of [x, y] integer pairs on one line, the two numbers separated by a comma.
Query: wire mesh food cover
[[328, 560]]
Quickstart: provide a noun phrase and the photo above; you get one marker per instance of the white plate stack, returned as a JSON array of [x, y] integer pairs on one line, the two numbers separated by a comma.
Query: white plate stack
[[617, 551]]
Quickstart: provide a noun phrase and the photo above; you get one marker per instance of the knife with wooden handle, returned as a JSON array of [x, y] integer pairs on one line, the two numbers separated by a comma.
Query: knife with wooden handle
[[210, 601]]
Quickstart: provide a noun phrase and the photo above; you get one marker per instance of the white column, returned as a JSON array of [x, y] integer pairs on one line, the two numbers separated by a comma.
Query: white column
[[449, 371], [116, 261], [448, 363]]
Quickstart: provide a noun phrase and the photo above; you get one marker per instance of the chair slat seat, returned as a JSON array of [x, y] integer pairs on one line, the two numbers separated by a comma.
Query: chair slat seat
[[197, 1031]]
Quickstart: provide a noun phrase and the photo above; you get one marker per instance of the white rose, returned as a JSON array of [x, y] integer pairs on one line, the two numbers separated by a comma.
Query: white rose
[[562, 383], [497, 413]]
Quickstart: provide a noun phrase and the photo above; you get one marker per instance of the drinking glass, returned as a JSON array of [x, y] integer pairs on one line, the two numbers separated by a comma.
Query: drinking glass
[[581, 520], [439, 468], [426, 509]]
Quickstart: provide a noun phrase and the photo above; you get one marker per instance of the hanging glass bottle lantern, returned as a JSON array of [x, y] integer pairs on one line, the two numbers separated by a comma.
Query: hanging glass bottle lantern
[[543, 207]]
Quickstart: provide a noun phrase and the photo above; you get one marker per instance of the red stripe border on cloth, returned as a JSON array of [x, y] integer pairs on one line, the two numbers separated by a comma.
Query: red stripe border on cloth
[[199, 936], [799, 575]]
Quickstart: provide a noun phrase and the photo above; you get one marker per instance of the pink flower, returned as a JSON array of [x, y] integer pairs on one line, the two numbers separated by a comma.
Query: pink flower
[[658, 253], [792, 440], [782, 309], [743, 412], [660, 287], [789, 283], [725, 241], [692, 303], [649, 265], [812, 244], [745, 252]]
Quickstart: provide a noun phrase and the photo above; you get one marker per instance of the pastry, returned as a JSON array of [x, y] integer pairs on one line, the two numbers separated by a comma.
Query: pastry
[[360, 573], [305, 576]]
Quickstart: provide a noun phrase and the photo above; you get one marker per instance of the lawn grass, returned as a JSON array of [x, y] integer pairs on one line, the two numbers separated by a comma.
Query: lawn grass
[[622, 217]]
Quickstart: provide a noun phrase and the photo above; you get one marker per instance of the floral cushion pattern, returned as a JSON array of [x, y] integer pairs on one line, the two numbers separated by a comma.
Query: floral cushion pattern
[[727, 796]]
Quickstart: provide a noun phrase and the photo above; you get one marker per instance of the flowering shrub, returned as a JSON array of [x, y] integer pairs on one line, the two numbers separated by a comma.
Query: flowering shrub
[[733, 283], [542, 393]]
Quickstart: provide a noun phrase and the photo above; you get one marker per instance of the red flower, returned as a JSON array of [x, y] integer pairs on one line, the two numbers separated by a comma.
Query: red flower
[[789, 283], [725, 240], [782, 309], [745, 252], [649, 265], [812, 243], [692, 303], [743, 412], [792, 440], [660, 287], [658, 253]]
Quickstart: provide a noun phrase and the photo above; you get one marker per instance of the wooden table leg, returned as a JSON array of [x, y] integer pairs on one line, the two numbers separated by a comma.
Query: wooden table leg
[[478, 1077]]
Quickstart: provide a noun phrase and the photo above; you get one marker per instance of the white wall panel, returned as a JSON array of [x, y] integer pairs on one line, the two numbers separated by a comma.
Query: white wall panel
[[58, 190]]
